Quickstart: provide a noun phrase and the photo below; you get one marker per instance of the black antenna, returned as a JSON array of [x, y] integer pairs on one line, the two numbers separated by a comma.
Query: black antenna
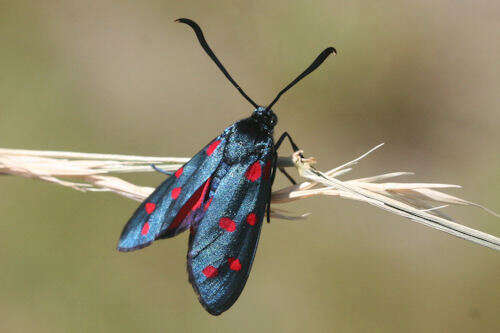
[[208, 50], [318, 61]]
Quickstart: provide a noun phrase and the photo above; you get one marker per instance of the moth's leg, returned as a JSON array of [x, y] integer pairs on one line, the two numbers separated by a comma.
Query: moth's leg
[[290, 178], [274, 167], [280, 141], [168, 173], [294, 147], [273, 174]]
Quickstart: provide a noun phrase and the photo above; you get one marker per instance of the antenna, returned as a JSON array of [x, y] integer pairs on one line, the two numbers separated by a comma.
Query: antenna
[[318, 61], [208, 50]]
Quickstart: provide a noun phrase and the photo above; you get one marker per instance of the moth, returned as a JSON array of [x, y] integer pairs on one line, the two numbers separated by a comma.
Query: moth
[[221, 195]]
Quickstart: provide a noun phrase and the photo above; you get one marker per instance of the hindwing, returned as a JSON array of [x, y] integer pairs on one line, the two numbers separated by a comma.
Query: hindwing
[[162, 213]]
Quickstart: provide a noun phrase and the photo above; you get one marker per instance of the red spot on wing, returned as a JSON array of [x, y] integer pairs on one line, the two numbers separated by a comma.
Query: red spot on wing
[[254, 172], [210, 271], [267, 170], [234, 264], [251, 219], [227, 224], [188, 206], [145, 229], [175, 192], [207, 204], [179, 172], [212, 147], [150, 207]]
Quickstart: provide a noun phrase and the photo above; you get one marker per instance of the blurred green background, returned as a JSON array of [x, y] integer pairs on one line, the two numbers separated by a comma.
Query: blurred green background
[[121, 77]]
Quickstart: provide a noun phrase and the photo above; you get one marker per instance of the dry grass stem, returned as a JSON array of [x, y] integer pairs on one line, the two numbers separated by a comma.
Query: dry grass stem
[[91, 172]]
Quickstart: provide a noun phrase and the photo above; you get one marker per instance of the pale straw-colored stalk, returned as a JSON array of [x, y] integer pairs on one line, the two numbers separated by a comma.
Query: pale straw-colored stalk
[[419, 202]]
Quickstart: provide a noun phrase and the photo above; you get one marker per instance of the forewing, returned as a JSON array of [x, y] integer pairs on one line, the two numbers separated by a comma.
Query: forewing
[[223, 245], [156, 216]]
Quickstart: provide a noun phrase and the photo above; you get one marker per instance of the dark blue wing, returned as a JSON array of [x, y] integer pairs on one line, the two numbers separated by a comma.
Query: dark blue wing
[[164, 213], [222, 246]]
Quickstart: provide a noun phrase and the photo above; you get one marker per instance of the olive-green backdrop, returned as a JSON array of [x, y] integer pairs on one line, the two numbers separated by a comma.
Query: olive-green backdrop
[[121, 77]]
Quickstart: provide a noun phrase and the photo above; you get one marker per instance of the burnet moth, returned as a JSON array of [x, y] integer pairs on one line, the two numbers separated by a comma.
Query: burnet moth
[[221, 195]]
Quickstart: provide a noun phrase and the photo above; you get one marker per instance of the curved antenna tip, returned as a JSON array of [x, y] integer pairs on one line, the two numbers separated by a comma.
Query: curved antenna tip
[[316, 63], [184, 20], [331, 50], [210, 53]]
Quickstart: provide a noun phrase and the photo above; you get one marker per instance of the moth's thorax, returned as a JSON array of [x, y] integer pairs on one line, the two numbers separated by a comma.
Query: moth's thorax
[[265, 118], [246, 139]]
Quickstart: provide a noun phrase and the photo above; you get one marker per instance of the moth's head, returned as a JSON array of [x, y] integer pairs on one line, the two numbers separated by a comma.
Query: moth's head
[[265, 117]]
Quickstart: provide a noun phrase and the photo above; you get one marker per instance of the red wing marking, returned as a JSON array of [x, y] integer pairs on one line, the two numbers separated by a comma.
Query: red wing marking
[[179, 172], [149, 207], [202, 196], [234, 264], [212, 147], [175, 192], [227, 224], [195, 200], [254, 172], [145, 229], [210, 271], [251, 219], [207, 204]]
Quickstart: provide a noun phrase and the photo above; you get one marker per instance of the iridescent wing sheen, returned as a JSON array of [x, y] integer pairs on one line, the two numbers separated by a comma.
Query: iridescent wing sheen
[[222, 246], [165, 212]]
